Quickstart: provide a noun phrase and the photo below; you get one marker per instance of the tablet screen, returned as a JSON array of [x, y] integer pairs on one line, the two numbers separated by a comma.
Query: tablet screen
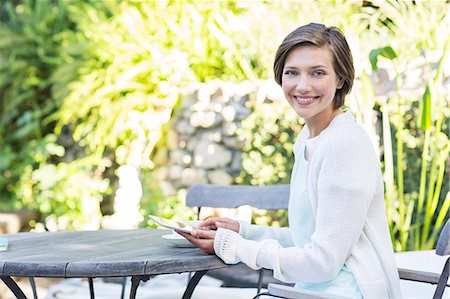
[[173, 224]]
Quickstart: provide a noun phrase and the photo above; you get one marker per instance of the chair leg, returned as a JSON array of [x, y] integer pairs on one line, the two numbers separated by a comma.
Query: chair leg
[[124, 284], [260, 281], [198, 212], [33, 287], [442, 280]]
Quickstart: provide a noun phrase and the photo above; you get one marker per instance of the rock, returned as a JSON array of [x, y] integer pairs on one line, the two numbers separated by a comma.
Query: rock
[[228, 113], [191, 176], [233, 143], [241, 112], [236, 164], [217, 96], [208, 155], [161, 173], [175, 172], [191, 143], [220, 177], [183, 127], [229, 129], [204, 119], [167, 188], [201, 106], [177, 156]]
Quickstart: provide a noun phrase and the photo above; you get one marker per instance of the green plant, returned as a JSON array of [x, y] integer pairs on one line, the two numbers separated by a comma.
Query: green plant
[[438, 144], [417, 217], [30, 51], [103, 77], [409, 224]]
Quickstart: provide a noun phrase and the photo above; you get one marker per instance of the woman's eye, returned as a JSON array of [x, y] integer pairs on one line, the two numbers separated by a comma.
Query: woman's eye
[[318, 73], [290, 73]]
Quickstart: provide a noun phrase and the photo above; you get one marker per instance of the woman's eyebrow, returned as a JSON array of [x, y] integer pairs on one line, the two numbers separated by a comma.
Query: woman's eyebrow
[[310, 67], [318, 66]]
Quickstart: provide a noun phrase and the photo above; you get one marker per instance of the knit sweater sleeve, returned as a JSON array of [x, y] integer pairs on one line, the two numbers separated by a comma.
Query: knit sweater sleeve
[[259, 232], [345, 176]]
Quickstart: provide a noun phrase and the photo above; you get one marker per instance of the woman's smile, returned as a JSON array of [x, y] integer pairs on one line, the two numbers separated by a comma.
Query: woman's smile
[[305, 100]]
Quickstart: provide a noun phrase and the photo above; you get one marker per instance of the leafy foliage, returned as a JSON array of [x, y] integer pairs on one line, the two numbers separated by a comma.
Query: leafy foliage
[[103, 77], [88, 86], [30, 51]]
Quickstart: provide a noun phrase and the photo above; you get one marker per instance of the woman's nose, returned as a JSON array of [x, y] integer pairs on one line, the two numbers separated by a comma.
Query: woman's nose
[[303, 85]]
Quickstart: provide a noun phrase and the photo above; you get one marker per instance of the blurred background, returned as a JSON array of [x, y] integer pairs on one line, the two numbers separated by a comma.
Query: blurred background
[[110, 110]]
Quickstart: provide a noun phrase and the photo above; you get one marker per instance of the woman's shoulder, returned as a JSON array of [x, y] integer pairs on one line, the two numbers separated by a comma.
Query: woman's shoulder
[[346, 135], [347, 130]]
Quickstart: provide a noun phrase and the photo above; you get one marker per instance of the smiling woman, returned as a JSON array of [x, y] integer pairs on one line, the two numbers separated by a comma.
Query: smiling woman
[[337, 242], [309, 85]]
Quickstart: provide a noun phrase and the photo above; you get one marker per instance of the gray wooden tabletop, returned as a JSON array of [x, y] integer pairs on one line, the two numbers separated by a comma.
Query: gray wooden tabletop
[[103, 253]]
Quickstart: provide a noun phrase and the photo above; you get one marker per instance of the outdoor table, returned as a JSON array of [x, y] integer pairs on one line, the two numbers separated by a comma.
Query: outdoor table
[[138, 253]]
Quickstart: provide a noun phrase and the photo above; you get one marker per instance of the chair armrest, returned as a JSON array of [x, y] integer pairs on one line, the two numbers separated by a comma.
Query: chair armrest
[[295, 293], [420, 276]]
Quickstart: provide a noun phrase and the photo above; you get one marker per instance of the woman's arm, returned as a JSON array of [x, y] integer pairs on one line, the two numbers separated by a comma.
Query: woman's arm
[[345, 187], [248, 231], [260, 232]]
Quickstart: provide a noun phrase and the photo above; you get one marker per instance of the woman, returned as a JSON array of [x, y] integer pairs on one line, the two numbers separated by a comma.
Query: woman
[[338, 241]]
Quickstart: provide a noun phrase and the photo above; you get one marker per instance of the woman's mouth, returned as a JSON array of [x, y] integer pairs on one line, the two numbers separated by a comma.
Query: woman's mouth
[[304, 101]]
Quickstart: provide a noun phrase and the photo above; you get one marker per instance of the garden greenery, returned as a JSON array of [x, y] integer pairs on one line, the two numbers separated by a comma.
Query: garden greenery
[[88, 86]]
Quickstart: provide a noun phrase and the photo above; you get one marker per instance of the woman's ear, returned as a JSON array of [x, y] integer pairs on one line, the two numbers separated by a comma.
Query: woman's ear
[[340, 83]]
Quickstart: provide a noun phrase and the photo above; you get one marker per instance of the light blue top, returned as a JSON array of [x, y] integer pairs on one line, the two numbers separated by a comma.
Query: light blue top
[[302, 222]]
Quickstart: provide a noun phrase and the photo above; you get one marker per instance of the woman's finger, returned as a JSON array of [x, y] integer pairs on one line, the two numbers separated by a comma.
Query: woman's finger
[[209, 223], [205, 244], [228, 224], [204, 234]]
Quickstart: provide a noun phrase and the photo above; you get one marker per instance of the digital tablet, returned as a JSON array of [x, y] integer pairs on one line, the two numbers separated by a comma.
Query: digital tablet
[[173, 224]]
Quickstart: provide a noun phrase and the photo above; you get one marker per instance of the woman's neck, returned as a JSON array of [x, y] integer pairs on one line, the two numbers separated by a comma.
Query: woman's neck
[[320, 123]]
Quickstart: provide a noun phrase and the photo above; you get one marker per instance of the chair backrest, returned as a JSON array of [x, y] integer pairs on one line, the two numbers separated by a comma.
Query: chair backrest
[[443, 243], [272, 197]]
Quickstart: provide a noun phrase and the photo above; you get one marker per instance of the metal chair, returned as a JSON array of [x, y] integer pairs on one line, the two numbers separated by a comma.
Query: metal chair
[[272, 197], [441, 280]]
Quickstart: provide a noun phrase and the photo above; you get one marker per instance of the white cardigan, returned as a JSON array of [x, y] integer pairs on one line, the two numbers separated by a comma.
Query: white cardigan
[[346, 194]]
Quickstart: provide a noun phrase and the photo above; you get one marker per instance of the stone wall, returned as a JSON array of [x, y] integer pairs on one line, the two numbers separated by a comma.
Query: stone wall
[[203, 145]]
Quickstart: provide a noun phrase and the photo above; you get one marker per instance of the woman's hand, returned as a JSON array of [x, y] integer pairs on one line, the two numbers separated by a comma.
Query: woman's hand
[[216, 222], [203, 239]]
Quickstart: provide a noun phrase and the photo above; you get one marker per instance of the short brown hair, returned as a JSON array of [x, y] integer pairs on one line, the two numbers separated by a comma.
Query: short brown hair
[[319, 35]]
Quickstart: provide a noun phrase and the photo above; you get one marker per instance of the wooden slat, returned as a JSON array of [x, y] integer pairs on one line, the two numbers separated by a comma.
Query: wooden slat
[[262, 197]]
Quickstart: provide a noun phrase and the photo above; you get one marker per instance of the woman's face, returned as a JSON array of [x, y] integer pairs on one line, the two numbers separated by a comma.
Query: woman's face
[[309, 82]]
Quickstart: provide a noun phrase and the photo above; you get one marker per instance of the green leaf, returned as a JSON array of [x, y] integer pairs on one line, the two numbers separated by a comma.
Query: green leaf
[[386, 52], [47, 175], [424, 117]]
